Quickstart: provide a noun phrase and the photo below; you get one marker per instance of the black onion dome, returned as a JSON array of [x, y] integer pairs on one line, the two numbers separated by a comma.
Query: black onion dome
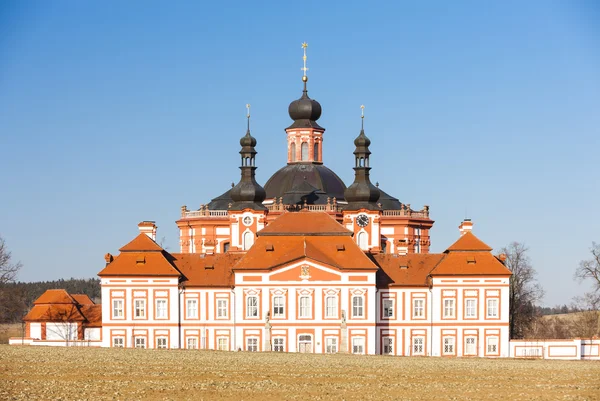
[[248, 140], [221, 202], [305, 112], [293, 177], [362, 192], [362, 140], [388, 202]]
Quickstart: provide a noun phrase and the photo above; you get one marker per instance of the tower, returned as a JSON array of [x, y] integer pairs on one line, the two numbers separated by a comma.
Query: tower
[[247, 213], [363, 213]]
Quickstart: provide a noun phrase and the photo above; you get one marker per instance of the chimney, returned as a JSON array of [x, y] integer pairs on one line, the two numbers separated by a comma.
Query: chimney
[[465, 227], [148, 228]]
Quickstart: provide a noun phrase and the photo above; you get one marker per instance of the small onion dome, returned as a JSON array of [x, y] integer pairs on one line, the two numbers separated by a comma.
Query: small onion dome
[[362, 140], [248, 140]]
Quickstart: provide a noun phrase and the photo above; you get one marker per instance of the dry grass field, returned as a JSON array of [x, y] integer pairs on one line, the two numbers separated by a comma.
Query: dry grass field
[[29, 373]]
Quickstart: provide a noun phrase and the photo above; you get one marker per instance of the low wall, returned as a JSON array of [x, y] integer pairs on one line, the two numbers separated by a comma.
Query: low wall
[[53, 343], [573, 349]]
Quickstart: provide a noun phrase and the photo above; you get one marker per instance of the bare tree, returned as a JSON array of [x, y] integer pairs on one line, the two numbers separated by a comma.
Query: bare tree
[[589, 270], [524, 290], [589, 303], [8, 269]]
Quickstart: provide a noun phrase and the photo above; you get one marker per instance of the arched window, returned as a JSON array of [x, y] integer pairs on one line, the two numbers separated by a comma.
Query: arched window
[[304, 151], [248, 240], [316, 148], [362, 240], [293, 152]]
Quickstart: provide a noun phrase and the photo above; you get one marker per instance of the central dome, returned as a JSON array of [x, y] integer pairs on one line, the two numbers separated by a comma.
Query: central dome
[[318, 181]]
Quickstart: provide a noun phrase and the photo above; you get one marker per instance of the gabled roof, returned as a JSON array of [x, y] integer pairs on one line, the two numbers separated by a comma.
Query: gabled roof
[[140, 264], [57, 296], [405, 270], [336, 251], [141, 243], [93, 315], [206, 270], [82, 299], [469, 242], [304, 223], [54, 313], [470, 263]]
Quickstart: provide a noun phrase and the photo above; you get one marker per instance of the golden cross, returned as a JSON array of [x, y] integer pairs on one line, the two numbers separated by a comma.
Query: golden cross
[[362, 111], [304, 46], [248, 108]]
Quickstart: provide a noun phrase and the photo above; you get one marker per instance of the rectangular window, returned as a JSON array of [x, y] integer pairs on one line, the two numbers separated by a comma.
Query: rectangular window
[[357, 306], [418, 345], [331, 304], [252, 306], [492, 345], [192, 343], [470, 308], [140, 309], [222, 308], [448, 308], [191, 309], [304, 307], [161, 342], [388, 308], [388, 345], [448, 345], [330, 345], [492, 308], [418, 308], [252, 344], [117, 309], [470, 345], [118, 342], [161, 309], [278, 344], [278, 306], [140, 342], [223, 343], [358, 345]]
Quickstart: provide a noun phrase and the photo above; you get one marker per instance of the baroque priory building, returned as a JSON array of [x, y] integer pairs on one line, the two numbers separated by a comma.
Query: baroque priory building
[[307, 264]]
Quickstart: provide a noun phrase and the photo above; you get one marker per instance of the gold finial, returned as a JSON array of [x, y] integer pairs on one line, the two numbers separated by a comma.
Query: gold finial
[[304, 69], [362, 116], [248, 115]]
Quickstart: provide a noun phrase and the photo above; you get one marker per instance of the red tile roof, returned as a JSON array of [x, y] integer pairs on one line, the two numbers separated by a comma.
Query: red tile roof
[[60, 306], [93, 315], [405, 270], [206, 270], [140, 264], [82, 299], [470, 264], [57, 296], [304, 223], [141, 243], [54, 313], [336, 251], [469, 242]]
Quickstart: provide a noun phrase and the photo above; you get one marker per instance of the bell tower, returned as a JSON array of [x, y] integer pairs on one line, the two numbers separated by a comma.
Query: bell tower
[[305, 135]]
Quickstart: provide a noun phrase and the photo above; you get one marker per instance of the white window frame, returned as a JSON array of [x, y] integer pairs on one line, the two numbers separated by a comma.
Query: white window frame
[[222, 343], [118, 308], [418, 345], [222, 308], [470, 310], [162, 311], [470, 341], [252, 344], [388, 310], [358, 345], [331, 345], [304, 307], [191, 308], [418, 311], [449, 308], [279, 306], [492, 342], [279, 344], [191, 343], [304, 338], [331, 307], [162, 342], [139, 341], [358, 306], [387, 347], [139, 311], [252, 307], [492, 310], [118, 342], [449, 345]]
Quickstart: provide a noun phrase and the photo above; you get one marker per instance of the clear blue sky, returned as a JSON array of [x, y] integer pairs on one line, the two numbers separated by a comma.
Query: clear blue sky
[[116, 112]]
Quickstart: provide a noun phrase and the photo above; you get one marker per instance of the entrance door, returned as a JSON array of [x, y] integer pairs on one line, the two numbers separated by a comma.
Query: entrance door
[[305, 343]]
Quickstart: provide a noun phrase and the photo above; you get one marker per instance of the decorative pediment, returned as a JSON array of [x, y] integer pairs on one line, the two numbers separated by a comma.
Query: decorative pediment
[[305, 272]]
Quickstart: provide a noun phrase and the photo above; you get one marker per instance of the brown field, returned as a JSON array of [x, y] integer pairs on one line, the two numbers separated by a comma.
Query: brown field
[[28, 373]]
